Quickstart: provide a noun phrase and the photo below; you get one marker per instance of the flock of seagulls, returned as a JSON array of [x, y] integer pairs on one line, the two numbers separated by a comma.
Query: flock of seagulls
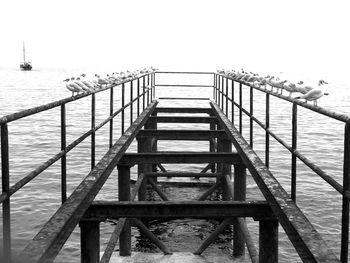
[[82, 84], [275, 84]]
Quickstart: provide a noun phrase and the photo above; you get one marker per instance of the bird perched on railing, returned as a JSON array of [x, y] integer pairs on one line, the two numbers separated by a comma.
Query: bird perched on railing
[[71, 86], [306, 88], [312, 95], [289, 86]]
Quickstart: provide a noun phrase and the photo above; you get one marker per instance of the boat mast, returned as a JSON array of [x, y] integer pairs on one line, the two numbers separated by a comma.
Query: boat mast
[[24, 53]]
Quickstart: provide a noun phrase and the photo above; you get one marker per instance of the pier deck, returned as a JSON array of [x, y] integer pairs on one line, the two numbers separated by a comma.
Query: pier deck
[[226, 162]]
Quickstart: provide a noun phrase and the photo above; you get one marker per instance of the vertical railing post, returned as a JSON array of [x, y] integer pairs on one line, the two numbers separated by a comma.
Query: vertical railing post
[[251, 138], [111, 98], [218, 90], [222, 93], [345, 204], [226, 97], [154, 85], [5, 178], [148, 90], [233, 102], [131, 103], [294, 147], [226, 168], [240, 182], [93, 139], [64, 157], [90, 241], [214, 87], [143, 93], [123, 110], [124, 195], [212, 148], [267, 135], [240, 108], [138, 97], [268, 241]]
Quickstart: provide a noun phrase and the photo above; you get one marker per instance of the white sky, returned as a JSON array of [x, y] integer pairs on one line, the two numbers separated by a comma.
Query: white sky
[[181, 34]]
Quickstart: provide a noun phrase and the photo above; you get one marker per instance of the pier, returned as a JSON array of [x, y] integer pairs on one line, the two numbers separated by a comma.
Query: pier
[[229, 157]]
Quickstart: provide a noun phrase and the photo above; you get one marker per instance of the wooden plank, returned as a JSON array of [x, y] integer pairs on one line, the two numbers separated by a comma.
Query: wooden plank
[[184, 119], [48, 242], [307, 241], [101, 210], [179, 157], [183, 110], [192, 135]]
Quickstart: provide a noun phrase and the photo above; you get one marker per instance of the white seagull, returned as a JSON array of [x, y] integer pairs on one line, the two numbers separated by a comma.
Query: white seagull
[[312, 95]]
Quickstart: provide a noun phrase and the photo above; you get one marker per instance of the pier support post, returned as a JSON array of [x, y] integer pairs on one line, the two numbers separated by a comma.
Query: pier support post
[[90, 241], [239, 195], [268, 241], [212, 148], [124, 195], [226, 168]]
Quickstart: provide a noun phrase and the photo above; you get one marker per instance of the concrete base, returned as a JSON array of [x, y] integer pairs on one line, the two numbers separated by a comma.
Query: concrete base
[[177, 257]]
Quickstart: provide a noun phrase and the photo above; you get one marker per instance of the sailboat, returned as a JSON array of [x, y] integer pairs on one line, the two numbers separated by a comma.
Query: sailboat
[[25, 65]]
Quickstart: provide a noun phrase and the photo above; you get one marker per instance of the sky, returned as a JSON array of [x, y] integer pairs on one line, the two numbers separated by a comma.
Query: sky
[[178, 35]]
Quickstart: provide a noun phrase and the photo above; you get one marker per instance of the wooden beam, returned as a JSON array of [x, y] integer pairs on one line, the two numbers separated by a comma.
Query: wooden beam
[[49, 241], [193, 135], [101, 210], [306, 240], [179, 157], [182, 174]]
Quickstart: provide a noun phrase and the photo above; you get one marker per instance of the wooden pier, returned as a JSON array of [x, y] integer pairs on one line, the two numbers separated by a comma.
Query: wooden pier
[[228, 158]]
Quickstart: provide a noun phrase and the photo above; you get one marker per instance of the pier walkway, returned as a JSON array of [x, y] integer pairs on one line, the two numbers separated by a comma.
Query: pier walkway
[[225, 164]]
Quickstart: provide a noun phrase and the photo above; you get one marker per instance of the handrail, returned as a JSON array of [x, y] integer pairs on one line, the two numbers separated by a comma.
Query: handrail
[[220, 95]]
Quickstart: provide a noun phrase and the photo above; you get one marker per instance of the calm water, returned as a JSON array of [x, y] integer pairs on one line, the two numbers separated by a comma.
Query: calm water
[[34, 139]]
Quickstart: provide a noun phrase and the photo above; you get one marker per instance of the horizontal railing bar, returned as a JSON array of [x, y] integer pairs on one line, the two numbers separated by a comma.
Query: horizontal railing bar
[[48, 242], [184, 85], [183, 174], [183, 119], [323, 111], [193, 135], [51, 105], [185, 72], [183, 110], [180, 157], [101, 210], [307, 241], [182, 98]]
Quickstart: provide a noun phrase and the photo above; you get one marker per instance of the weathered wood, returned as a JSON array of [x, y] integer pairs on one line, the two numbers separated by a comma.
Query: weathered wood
[[184, 119], [90, 241], [179, 157], [307, 241], [48, 242], [101, 210], [193, 135]]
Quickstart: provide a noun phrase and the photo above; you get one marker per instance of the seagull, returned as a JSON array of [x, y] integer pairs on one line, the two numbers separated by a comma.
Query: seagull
[[288, 86], [307, 88], [312, 95], [81, 84], [71, 86]]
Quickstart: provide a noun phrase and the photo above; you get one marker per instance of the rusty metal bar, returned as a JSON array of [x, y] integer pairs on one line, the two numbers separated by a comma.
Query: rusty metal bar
[[214, 87], [180, 85], [181, 174], [268, 241], [157, 189], [222, 92], [193, 135], [148, 90], [240, 108], [251, 139], [219, 89], [210, 190], [226, 96], [184, 119], [240, 222], [345, 203], [183, 110], [294, 147], [63, 158], [151, 236], [123, 112], [5, 179], [111, 98], [138, 97], [267, 125], [93, 137]]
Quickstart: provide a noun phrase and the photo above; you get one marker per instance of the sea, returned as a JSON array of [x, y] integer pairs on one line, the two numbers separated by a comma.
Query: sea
[[35, 139]]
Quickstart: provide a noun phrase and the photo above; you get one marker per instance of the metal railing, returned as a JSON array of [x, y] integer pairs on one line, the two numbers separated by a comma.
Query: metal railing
[[222, 97], [145, 93]]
